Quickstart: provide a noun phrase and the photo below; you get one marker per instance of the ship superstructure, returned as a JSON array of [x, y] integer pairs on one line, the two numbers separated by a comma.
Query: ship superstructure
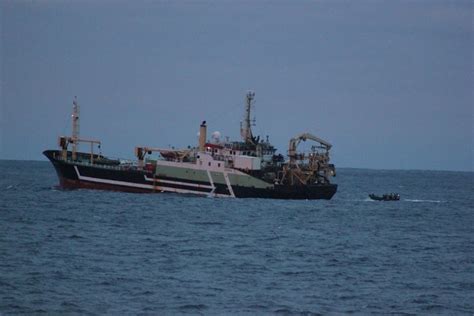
[[250, 167]]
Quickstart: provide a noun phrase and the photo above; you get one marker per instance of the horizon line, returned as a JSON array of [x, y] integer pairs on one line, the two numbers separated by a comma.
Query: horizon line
[[343, 167]]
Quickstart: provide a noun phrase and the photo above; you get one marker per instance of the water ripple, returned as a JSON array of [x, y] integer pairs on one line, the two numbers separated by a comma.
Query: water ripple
[[91, 252]]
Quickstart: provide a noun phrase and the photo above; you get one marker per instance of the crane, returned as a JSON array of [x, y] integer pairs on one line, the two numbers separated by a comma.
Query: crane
[[294, 142], [313, 168]]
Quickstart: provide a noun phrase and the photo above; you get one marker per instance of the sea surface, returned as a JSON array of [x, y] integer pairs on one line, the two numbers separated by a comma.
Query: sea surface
[[96, 252]]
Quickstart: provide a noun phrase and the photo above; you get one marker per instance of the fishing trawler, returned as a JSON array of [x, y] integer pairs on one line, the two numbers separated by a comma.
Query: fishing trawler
[[248, 168]]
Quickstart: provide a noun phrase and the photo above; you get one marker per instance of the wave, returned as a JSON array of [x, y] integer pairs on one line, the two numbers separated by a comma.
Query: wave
[[207, 223], [13, 187], [193, 307], [423, 201], [405, 200]]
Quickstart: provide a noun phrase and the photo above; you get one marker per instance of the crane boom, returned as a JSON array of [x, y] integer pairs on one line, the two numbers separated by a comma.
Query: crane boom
[[294, 142]]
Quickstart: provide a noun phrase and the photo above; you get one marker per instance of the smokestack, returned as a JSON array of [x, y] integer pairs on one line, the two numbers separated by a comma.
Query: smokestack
[[202, 136]]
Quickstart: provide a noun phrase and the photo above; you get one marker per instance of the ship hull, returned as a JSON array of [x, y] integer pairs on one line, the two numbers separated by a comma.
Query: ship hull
[[86, 176]]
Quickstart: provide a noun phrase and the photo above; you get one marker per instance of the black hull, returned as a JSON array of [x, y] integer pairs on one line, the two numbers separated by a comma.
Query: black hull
[[78, 175]]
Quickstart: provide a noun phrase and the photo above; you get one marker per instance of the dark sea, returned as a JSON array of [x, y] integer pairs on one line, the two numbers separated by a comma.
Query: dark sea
[[96, 252]]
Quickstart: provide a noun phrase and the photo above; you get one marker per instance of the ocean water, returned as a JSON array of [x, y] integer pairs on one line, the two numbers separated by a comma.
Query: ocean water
[[97, 252]]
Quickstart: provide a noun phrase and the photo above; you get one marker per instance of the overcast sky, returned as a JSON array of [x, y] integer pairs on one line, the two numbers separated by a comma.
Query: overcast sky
[[388, 83]]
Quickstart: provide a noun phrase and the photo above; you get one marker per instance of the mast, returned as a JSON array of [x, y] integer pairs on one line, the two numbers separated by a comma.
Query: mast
[[245, 128], [202, 136], [75, 128]]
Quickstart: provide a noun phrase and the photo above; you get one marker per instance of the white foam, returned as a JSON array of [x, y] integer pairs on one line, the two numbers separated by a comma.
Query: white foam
[[423, 201]]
